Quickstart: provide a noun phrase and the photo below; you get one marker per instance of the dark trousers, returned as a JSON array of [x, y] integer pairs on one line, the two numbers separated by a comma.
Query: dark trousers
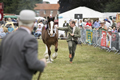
[[72, 47], [37, 35]]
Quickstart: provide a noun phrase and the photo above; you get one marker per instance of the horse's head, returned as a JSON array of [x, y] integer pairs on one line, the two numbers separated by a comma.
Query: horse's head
[[51, 25]]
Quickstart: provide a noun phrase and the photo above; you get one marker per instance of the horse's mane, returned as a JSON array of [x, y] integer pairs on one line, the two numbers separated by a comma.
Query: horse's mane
[[48, 20]]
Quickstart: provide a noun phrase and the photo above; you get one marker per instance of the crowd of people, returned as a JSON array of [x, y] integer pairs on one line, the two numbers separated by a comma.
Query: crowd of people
[[106, 24], [6, 30], [38, 24]]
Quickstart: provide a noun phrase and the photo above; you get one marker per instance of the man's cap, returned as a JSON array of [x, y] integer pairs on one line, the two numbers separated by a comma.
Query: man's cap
[[105, 20], [27, 16], [102, 21]]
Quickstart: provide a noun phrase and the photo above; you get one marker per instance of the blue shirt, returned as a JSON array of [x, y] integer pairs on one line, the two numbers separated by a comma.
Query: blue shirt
[[97, 24], [10, 29]]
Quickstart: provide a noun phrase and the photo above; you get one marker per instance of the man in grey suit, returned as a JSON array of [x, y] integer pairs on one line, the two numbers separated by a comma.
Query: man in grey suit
[[19, 51]]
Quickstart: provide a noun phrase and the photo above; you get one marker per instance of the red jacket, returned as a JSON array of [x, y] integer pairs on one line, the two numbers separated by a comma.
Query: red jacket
[[89, 24]]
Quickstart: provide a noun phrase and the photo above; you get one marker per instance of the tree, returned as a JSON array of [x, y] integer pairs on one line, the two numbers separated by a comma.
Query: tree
[[15, 6], [113, 6], [98, 5]]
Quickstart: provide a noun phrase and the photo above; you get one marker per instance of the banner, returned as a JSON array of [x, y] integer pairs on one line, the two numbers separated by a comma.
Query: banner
[[103, 38], [115, 41], [89, 34], [109, 38], [1, 11]]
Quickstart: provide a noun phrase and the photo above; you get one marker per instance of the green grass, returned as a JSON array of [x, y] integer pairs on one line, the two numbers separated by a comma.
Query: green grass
[[89, 64]]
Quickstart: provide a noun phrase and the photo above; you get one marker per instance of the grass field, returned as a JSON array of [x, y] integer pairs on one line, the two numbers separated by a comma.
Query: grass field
[[89, 64]]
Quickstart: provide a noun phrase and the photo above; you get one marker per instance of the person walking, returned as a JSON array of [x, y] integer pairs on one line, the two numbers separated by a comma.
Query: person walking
[[19, 51], [73, 35]]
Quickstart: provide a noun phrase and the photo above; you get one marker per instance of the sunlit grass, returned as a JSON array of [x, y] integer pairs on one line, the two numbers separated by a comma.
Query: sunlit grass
[[89, 64]]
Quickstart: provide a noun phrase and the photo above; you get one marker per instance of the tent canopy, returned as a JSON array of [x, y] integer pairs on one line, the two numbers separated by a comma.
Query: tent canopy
[[87, 13], [10, 16]]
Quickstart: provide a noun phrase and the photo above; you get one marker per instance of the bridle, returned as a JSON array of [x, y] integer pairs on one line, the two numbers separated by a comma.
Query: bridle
[[49, 29]]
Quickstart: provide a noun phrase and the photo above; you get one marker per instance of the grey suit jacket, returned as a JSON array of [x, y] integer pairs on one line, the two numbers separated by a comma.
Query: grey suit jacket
[[18, 56]]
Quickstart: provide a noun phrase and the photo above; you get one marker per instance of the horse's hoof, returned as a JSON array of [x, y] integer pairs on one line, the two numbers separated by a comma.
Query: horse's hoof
[[54, 56], [49, 61], [52, 60]]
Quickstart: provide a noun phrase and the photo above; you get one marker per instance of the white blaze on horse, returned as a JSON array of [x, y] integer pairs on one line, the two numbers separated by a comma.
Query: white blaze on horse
[[50, 37]]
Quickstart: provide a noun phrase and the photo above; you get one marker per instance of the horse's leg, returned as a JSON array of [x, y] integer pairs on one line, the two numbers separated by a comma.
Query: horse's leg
[[54, 56], [49, 53], [46, 52]]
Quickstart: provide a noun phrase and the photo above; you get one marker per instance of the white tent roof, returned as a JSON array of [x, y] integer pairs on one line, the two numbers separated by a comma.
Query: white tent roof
[[87, 13]]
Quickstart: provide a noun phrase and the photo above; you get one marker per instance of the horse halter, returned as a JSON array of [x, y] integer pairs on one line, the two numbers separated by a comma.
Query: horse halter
[[49, 30]]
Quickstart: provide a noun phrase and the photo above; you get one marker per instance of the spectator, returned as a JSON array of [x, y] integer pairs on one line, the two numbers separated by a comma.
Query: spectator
[[35, 27], [107, 23], [41, 23], [81, 23], [114, 24], [65, 24], [10, 29], [110, 21], [102, 26], [38, 31], [84, 23], [2, 22], [96, 24], [76, 23], [89, 24], [114, 30], [6, 20], [118, 30], [2, 33], [9, 19], [5, 30]]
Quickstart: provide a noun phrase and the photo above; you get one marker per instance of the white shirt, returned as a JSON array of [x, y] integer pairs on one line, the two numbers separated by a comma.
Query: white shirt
[[74, 29], [84, 24], [107, 24], [39, 30]]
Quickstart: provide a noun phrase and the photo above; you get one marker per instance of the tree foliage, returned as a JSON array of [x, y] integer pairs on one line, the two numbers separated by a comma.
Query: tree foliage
[[113, 6], [15, 6], [98, 5]]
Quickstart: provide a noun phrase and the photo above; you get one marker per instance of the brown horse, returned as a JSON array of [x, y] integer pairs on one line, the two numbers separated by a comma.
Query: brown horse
[[50, 37]]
